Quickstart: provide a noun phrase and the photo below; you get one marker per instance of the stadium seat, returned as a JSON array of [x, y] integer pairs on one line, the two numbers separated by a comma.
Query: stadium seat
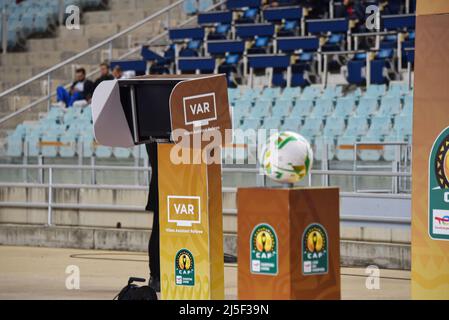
[[403, 126], [250, 123], [291, 124], [334, 127], [261, 108], [312, 127], [68, 145], [344, 149], [357, 126], [320, 144], [121, 153], [380, 126], [302, 108], [271, 123], [14, 145], [389, 106], [323, 108], [370, 152], [281, 108], [367, 107], [344, 107]]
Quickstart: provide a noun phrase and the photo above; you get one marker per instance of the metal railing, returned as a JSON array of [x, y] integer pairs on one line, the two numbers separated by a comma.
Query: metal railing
[[105, 44], [51, 186]]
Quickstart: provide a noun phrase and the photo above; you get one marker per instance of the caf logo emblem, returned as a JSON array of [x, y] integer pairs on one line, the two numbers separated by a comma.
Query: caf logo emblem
[[263, 248], [314, 250], [442, 164], [439, 188], [184, 268]]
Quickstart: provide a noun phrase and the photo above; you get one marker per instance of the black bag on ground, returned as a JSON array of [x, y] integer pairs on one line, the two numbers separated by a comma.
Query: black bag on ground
[[134, 292]]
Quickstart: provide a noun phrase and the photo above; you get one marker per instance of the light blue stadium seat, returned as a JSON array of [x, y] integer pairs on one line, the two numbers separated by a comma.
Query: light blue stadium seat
[[103, 152], [344, 107], [87, 141], [261, 109], [320, 144], [271, 123], [14, 145], [380, 126], [332, 92], [344, 150], [241, 109], [397, 89], [291, 124], [390, 106], [249, 94], [367, 107], [50, 151], [357, 126], [323, 108], [250, 123], [233, 94], [369, 154], [270, 93], [33, 145], [334, 127], [121, 153], [281, 108], [403, 126], [389, 153], [68, 145], [312, 127], [375, 91], [302, 108], [310, 93], [291, 93], [407, 110]]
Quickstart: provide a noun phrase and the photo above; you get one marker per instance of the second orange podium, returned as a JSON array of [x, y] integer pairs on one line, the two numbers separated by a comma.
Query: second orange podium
[[288, 243]]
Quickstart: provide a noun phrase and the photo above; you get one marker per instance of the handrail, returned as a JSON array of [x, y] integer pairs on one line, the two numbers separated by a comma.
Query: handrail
[[90, 50], [225, 170]]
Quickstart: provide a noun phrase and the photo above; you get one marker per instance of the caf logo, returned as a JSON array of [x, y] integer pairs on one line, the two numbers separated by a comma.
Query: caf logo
[[442, 164], [185, 261], [315, 240], [438, 215], [263, 250], [264, 240], [314, 250], [184, 268]]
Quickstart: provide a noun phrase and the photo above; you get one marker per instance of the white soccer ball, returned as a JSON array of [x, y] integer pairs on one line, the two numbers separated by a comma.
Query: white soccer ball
[[286, 157]]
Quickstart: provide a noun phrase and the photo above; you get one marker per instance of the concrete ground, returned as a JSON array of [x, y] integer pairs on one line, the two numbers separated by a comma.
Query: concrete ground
[[40, 273]]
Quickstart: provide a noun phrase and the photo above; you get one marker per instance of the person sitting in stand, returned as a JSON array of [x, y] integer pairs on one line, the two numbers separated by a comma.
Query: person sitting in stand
[[117, 72], [81, 89], [104, 74]]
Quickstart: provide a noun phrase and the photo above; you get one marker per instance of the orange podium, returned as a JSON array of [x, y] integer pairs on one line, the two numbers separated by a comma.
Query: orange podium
[[288, 243]]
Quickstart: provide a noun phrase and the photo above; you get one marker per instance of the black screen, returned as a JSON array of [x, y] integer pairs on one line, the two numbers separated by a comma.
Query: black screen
[[152, 107]]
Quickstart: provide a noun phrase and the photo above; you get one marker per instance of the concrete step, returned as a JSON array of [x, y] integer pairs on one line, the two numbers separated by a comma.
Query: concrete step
[[352, 253]]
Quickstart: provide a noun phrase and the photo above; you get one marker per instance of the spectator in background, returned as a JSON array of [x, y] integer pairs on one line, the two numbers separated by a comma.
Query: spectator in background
[[117, 72], [81, 89], [104, 74]]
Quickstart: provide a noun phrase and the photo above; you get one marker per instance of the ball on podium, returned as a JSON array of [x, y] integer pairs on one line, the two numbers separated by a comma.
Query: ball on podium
[[286, 157]]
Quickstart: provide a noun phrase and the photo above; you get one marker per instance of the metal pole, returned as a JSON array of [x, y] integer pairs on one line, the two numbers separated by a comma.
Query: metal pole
[[61, 12], [399, 48], [368, 70], [93, 179], [409, 72], [110, 47], [50, 196], [49, 91], [4, 29], [40, 177]]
